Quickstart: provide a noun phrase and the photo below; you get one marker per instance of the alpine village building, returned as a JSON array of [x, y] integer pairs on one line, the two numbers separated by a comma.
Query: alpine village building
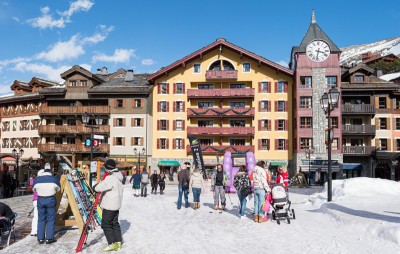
[[228, 98]]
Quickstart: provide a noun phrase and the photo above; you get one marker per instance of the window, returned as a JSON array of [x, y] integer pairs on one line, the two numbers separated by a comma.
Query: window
[[282, 144], [120, 103], [383, 144], [237, 142], [58, 122], [205, 104], [335, 144], [265, 125], [72, 83], [265, 106], [235, 86], [163, 106], [397, 145], [179, 125], [265, 144], [265, 87], [396, 103], [206, 141], [305, 122], [178, 143], [281, 106], [137, 141], [71, 122], [84, 83], [397, 124], [305, 102], [305, 82], [331, 81], [58, 140], [138, 103], [179, 106], [163, 125], [119, 141], [119, 122], [71, 141], [163, 88], [246, 67], [137, 122], [196, 68], [163, 143], [334, 122], [237, 104], [306, 143], [281, 87], [216, 66], [179, 88], [237, 123], [280, 125], [382, 123], [205, 86], [205, 123], [382, 103], [359, 78]]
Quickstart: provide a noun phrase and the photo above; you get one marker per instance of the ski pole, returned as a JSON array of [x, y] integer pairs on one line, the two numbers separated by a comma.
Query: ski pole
[[229, 196], [29, 214]]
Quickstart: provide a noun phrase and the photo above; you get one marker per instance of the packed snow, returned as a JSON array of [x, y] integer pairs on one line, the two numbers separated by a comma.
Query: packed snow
[[363, 217]]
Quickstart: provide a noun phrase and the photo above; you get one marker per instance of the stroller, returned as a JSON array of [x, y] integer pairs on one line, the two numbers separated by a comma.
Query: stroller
[[281, 204]]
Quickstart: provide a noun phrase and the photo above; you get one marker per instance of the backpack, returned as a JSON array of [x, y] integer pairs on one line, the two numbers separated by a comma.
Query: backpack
[[185, 182]]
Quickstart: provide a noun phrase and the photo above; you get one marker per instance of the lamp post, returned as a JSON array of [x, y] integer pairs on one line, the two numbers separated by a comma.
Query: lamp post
[[85, 120], [18, 155], [309, 151], [138, 152], [329, 102]]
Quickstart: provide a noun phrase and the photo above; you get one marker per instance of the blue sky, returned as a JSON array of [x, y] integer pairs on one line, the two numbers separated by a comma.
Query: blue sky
[[44, 38]]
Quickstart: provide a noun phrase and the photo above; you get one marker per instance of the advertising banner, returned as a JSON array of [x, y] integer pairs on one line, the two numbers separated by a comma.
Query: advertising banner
[[197, 155]]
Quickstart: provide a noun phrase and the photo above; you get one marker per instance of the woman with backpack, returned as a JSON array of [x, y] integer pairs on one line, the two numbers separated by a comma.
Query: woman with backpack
[[143, 183], [196, 183], [243, 186]]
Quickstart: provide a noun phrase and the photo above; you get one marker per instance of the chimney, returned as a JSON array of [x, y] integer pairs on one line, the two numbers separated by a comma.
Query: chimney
[[104, 71], [378, 72], [129, 76], [98, 71]]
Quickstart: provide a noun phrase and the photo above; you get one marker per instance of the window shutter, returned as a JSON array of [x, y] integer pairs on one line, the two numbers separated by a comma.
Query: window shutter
[[269, 87], [269, 124], [259, 144], [123, 122], [158, 143], [167, 84], [286, 87], [142, 103], [389, 144], [158, 125], [268, 144], [174, 125], [183, 88], [167, 106], [132, 122], [259, 87], [141, 122], [259, 125], [286, 106], [269, 106], [158, 106], [276, 144], [259, 106], [183, 143], [286, 144], [167, 143], [183, 106], [377, 123], [376, 102], [388, 123], [173, 143], [183, 125], [276, 125], [123, 141], [115, 103], [174, 87], [115, 121], [132, 141], [142, 141], [114, 141], [167, 124], [174, 103], [286, 125], [276, 106], [388, 103], [159, 88], [276, 87]]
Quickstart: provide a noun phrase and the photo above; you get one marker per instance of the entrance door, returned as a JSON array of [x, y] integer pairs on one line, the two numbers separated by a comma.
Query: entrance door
[[382, 171]]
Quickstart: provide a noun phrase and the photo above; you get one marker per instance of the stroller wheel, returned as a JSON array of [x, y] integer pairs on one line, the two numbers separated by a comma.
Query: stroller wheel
[[274, 216], [288, 220], [293, 214], [279, 222]]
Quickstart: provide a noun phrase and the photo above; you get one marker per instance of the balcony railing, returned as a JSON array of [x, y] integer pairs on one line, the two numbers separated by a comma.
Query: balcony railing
[[73, 148], [214, 150], [221, 131], [224, 93], [358, 150], [213, 74], [63, 110], [358, 109], [359, 129], [220, 112], [56, 129]]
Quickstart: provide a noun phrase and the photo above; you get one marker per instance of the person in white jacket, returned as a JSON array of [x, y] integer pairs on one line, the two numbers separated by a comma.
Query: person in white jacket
[[196, 183], [260, 177], [111, 201]]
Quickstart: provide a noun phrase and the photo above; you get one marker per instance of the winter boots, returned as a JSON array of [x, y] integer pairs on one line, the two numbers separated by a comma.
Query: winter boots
[[216, 207], [196, 205], [255, 217], [261, 219], [112, 247]]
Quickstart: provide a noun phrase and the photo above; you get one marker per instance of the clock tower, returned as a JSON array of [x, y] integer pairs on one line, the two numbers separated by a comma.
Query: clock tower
[[316, 70]]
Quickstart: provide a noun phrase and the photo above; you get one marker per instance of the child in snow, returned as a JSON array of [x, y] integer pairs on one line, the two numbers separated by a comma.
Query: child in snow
[[112, 190], [283, 176], [196, 183]]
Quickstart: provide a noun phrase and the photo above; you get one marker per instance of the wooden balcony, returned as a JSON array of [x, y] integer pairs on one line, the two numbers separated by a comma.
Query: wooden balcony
[[221, 75], [220, 112], [366, 109], [74, 110], [358, 129], [73, 148], [358, 150], [214, 150], [72, 129], [222, 93], [221, 131]]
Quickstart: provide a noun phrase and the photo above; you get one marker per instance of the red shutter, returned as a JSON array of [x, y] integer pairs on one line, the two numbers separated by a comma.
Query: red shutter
[[276, 144], [269, 106], [159, 88], [183, 143], [183, 106], [286, 144], [174, 125], [114, 141], [123, 141], [141, 122], [158, 143], [286, 87], [183, 125], [276, 87], [286, 106], [158, 125], [276, 125], [174, 87], [259, 106], [167, 125], [167, 106], [159, 106], [286, 125], [142, 103], [268, 144], [132, 141], [132, 122], [123, 122], [269, 124], [174, 106], [269, 87], [167, 143], [173, 144], [259, 87], [183, 88], [141, 141], [259, 125], [259, 144], [276, 106], [167, 88], [115, 121]]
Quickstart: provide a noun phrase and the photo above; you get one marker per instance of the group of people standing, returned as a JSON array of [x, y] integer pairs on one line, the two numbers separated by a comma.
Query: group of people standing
[[140, 180]]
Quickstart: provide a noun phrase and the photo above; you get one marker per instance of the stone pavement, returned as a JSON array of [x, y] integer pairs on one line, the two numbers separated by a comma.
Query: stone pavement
[[21, 205]]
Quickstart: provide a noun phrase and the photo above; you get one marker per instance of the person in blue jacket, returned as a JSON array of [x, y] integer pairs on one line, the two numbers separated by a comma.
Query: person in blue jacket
[[46, 188], [136, 178]]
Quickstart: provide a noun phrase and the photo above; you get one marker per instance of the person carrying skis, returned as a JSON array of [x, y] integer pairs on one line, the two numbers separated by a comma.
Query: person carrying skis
[[161, 182], [143, 183], [111, 188], [135, 178], [219, 179], [154, 182], [46, 187]]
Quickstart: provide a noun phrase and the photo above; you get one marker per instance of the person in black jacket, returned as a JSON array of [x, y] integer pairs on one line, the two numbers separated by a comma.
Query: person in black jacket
[[7, 182], [161, 182], [154, 182]]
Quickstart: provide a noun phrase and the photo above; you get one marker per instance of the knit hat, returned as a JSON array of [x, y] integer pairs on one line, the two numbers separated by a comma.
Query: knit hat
[[110, 164], [47, 166]]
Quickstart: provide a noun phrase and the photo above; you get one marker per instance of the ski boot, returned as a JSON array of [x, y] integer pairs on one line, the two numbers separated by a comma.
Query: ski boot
[[111, 247]]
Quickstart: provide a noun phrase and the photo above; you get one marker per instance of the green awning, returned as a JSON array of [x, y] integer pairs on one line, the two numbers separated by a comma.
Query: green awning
[[278, 163], [169, 163]]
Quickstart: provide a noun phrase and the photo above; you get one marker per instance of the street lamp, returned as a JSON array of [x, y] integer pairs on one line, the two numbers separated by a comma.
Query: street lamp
[[138, 152], [329, 101], [309, 150], [18, 155], [85, 120]]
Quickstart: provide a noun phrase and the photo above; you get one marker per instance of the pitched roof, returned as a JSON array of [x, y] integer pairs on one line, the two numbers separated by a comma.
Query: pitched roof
[[221, 42], [19, 97], [391, 76], [139, 85], [42, 82], [21, 84], [357, 68], [77, 68]]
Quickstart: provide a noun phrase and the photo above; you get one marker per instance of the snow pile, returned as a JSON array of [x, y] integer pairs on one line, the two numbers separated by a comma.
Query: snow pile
[[389, 77], [352, 54], [367, 204]]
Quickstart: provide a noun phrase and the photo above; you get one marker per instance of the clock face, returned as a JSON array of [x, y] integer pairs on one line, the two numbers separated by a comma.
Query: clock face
[[318, 51]]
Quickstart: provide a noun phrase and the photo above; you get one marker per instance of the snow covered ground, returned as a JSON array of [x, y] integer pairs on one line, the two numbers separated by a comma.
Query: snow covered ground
[[364, 217]]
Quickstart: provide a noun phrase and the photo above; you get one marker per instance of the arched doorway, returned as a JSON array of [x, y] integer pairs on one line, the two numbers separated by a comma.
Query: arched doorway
[[382, 171]]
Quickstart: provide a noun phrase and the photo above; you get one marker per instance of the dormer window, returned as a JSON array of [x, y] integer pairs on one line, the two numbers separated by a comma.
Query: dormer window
[[84, 83], [226, 66], [72, 83], [359, 78]]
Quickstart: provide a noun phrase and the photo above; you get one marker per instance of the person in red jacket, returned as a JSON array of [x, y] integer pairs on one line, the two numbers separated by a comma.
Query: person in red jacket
[[283, 176]]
